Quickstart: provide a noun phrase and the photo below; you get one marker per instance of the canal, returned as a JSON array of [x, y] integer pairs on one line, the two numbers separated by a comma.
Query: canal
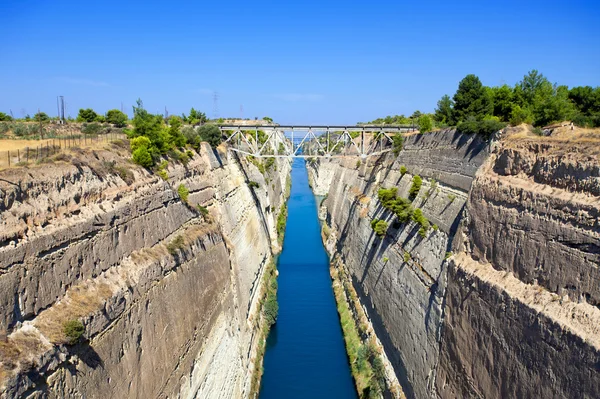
[[305, 355]]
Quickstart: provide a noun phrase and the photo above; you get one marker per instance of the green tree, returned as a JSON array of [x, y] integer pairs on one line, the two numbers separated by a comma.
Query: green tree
[[471, 100], [425, 123], [41, 117], [266, 118], [152, 127], [211, 134], [443, 112], [86, 115], [196, 117], [176, 137], [553, 107], [116, 117], [502, 98], [5, 117]]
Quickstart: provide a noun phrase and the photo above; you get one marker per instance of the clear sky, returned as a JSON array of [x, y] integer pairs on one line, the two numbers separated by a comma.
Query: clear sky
[[310, 61]]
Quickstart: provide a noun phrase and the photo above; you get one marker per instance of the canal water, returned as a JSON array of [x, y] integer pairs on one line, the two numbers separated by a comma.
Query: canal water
[[305, 355]]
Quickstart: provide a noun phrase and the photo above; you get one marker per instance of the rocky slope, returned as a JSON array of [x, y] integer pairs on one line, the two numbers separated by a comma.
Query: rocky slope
[[515, 305], [167, 291]]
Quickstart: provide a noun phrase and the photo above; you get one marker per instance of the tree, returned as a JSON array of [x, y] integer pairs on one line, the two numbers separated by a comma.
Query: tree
[[443, 112], [41, 117], [425, 124], [553, 107], [211, 134], [471, 99], [502, 98], [5, 117], [196, 117], [176, 137], [266, 118], [116, 117], [534, 87], [86, 115], [397, 143], [416, 115]]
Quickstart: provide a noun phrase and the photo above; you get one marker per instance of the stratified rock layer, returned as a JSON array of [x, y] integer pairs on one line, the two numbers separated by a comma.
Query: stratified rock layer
[[516, 304], [167, 292]]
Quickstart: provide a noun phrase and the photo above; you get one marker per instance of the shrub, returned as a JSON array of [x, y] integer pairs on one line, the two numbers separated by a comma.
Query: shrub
[[406, 256], [451, 197], [425, 124], [403, 170], [397, 143], [387, 196], [374, 223], [380, 228], [253, 184], [163, 174], [211, 134], [176, 244], [203, 210], [271, 309], [358, 163], [416, 187], [73, 330], [116, 117], [91, 128], [448, 254], [183, 192], [87, 115], [485, 128], [142, 157], [435, 227]]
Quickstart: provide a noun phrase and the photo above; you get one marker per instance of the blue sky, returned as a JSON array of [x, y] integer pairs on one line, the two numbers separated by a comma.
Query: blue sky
[[309, 62]]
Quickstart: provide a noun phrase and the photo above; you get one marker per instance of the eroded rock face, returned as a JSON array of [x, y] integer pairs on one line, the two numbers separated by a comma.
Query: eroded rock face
[[401, 277], [168, 295], [514, 311]]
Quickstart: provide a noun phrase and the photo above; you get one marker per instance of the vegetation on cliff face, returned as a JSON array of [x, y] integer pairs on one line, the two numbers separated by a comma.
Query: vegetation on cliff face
[[363, 353], [268, 309], [402, 207]]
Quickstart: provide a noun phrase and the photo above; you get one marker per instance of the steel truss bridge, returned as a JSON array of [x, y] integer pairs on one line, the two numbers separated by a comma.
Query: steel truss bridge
[[264, 141]]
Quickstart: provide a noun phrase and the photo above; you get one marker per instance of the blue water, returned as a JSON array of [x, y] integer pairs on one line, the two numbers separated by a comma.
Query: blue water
[[305, 356]]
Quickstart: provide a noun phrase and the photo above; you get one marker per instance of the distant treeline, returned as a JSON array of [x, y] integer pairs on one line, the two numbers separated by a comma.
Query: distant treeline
[[476, 108]]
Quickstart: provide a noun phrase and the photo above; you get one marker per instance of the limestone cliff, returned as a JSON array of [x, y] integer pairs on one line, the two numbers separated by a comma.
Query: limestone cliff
[[497, 319], [167, 288]]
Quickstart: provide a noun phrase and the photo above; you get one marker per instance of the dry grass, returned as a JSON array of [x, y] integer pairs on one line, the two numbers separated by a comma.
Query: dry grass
[[80, 301]]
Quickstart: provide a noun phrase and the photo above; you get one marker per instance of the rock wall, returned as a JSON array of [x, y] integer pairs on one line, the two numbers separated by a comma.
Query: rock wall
[[501, 300], [167, 292], [401, 278], [522, 304]]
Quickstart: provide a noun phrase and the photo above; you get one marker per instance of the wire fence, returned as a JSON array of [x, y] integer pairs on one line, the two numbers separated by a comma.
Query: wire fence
[[51, 147]]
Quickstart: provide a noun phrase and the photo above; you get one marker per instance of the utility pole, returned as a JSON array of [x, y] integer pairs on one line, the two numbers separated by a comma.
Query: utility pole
[[216, 105], [41, 126]]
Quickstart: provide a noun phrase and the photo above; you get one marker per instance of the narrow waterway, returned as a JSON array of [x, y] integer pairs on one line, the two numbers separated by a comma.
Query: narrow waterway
[[305, 355]]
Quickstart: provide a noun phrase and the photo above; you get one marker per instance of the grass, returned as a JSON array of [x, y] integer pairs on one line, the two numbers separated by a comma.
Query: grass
[[365, 361], [176, 245], [267, 309]]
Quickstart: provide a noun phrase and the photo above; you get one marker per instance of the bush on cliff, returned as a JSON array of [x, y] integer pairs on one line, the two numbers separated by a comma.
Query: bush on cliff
[[415, 188], [397, 143], [73, 330], [380, 227]]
